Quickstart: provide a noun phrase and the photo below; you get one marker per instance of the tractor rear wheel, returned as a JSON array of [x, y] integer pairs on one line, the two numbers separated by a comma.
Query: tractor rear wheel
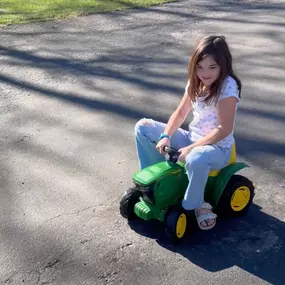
[[236, 198]]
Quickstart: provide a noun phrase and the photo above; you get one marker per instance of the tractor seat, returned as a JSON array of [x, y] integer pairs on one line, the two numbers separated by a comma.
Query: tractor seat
[[233, 159]]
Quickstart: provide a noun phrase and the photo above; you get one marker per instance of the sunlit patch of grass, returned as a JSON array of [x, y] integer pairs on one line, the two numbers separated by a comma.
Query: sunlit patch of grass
[[26, 11]]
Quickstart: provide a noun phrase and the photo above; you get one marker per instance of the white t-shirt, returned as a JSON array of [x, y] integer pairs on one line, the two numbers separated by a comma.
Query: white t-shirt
[[205, 117]]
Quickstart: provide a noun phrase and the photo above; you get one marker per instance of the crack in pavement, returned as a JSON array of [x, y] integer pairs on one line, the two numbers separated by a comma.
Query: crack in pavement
[[37, 276], [72, 213]]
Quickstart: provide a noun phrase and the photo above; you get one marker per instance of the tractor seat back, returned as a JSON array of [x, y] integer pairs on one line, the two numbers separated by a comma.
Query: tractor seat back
[[232, 160]]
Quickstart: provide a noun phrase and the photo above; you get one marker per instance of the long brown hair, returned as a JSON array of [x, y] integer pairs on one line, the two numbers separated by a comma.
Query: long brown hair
[[216, 47]]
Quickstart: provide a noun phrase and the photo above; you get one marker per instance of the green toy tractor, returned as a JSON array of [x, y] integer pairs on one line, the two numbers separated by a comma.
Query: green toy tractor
[[159, 189]]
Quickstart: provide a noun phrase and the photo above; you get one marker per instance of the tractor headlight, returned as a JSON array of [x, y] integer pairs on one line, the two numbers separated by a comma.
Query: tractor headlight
[[144, 189], [148, 194], [141, 188]]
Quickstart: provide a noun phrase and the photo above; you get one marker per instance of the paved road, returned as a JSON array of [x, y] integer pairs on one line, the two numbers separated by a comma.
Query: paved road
[[71, 92]]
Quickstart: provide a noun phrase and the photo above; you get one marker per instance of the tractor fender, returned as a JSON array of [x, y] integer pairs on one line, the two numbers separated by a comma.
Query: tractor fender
[[224, 177]]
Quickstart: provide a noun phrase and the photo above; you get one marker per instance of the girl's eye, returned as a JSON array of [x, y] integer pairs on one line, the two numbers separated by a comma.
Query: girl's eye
[[199, 67], [213, 67]]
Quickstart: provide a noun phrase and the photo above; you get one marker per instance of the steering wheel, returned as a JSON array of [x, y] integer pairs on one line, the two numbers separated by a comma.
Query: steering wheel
[[172, 152]]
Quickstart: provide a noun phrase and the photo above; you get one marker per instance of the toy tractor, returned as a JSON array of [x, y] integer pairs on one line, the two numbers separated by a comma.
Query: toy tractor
[[159, 189]]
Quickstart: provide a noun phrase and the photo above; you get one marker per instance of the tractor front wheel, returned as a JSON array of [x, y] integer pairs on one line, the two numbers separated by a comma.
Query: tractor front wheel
[[175, 225], [128, 201], [236, 198]]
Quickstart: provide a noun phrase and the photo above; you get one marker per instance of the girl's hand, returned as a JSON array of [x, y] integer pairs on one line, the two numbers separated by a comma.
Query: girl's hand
[[161, 144], [183, 152]]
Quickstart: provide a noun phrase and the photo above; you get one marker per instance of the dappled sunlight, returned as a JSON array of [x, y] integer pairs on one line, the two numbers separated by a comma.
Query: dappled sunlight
[[72, 92]]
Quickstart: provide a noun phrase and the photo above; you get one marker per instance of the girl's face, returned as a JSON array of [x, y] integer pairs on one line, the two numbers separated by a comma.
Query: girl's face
[[208, 70]]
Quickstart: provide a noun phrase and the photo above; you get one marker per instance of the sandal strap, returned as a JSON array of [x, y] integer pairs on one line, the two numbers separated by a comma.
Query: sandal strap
[[205, 205], [204, 217]]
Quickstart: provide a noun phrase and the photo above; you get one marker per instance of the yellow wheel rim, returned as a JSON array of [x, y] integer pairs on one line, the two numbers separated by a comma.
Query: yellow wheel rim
[[181, 225], [240, 198]]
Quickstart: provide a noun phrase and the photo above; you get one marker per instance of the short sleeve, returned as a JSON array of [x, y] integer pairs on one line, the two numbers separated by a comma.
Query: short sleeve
[[187, 86], [229, 89]]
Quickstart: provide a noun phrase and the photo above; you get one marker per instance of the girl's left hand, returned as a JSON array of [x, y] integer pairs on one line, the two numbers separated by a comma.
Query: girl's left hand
[[183, 152]]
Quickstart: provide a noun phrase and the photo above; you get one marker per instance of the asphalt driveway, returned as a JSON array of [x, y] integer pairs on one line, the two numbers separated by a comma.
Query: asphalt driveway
[[71, 92]]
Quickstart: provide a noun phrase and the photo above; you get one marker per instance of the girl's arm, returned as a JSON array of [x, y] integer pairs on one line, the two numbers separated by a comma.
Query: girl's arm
[[179, 115], [226, 115], [175, 121]]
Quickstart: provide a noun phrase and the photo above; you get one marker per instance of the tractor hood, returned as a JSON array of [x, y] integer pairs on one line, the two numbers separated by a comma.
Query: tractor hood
[[150, 174]]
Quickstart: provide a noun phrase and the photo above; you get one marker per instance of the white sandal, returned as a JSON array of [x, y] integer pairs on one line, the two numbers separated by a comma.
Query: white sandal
[[203, 217]]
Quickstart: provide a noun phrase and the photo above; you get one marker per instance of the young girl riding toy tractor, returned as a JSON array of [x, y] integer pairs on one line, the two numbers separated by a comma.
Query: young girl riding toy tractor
[[199, 176]]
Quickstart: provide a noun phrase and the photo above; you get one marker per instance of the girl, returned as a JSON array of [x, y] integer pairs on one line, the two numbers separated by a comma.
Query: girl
[[212, 93]]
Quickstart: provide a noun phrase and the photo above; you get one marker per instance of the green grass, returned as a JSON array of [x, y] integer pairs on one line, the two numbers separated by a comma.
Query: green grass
[[26, 11]]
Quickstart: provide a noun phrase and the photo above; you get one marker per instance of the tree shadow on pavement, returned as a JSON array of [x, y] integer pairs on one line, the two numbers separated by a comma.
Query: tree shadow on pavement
[[254, 243]]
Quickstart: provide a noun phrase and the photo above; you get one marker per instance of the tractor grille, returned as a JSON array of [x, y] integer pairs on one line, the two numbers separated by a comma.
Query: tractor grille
[[144, 211]]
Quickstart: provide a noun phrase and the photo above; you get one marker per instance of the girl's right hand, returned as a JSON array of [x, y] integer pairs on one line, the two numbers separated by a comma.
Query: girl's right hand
[[161, 144]]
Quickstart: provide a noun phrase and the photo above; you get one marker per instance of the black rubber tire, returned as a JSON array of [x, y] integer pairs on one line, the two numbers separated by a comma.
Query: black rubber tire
[[127, 204], [224, 208], [170, 225]]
